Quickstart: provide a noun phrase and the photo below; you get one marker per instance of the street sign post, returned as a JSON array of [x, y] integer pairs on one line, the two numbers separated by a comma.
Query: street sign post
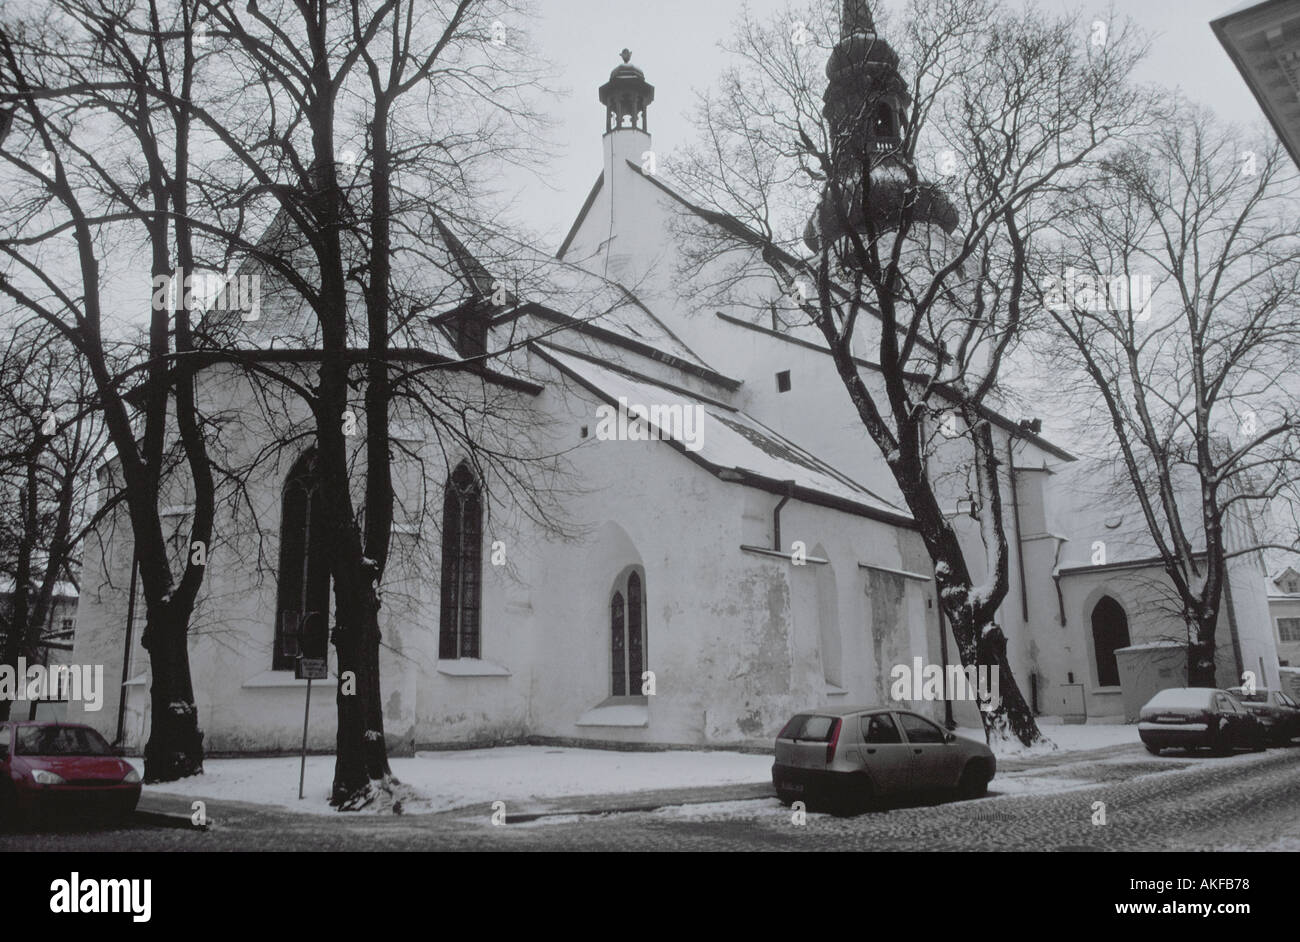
[[309, 669]]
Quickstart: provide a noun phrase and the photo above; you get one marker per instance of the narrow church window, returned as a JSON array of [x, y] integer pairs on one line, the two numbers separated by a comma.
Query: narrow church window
[[303, 592], [635, 651], [462, 566], [783, 381], [617, 645], [627, 631], [1109, 632]]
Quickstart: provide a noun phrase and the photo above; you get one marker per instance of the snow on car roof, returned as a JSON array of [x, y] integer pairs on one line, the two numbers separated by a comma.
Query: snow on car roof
[[1182, 697]]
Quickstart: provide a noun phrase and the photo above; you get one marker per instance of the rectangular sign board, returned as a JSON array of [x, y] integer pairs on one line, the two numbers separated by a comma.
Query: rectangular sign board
[[312, 668]]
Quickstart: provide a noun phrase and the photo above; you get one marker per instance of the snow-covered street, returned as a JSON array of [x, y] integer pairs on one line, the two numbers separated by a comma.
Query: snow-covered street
[[1171, 802], [528, 776]]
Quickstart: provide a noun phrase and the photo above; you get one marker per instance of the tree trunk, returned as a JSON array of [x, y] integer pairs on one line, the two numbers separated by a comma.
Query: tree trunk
[[175, 747], [361, 753], [1013, 714], [1200, 659]]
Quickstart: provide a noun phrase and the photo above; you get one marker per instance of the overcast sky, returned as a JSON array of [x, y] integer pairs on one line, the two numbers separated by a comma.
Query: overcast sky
[[676, 43]]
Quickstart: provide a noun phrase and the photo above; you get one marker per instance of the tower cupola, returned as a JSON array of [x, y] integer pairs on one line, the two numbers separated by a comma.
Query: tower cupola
[[626, 96], [865, 106]]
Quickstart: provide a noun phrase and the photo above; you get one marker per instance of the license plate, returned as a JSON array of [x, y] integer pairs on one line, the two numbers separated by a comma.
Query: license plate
[[791, 786]]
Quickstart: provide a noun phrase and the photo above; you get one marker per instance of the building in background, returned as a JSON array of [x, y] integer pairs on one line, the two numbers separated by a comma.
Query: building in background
[[1263, 40], [54, 647]]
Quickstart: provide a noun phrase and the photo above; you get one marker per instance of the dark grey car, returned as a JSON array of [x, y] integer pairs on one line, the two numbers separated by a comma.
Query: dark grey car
[[848, 757]]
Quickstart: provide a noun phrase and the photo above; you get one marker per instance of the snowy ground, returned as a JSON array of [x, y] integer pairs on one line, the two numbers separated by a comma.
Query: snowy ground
[[1071, 738], [513, 774], [518, 775]]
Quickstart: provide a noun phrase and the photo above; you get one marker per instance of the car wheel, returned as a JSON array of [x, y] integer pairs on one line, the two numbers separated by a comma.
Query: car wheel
[[1220, 744], [974, 781], [860, 797], [8, 808], [786, 798], [1154, 750]]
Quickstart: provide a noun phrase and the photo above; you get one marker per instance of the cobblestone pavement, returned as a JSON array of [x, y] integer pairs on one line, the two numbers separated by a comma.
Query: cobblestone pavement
[[1168, 803]]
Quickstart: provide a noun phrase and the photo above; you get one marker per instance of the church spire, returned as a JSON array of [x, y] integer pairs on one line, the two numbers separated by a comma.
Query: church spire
[[856, 18], [865, 106], [626, 96]]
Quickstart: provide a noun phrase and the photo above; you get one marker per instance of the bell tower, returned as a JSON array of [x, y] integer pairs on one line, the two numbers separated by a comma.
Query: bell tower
[[865, 106], [627, 151], [626, 96]]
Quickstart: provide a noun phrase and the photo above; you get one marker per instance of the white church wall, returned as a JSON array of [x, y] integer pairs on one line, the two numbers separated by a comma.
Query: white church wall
[[732, 662]]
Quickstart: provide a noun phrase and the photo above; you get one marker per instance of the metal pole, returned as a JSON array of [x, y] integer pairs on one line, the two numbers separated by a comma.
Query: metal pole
[[126, 651], [302, 768]]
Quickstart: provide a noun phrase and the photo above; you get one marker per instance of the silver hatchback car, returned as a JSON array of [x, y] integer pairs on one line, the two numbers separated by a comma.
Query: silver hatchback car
[[850, 757]]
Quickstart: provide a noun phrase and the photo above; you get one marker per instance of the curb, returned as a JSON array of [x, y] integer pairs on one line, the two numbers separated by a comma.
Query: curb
[[162, 820], [148, 813], [664, 800]]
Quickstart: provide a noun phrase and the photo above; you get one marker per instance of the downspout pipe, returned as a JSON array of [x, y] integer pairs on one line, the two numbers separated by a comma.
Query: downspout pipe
[[1015, 519], [776, 516]]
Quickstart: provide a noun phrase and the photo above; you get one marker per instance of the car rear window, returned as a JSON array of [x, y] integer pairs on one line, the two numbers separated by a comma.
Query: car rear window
[[809, 727], [59, 741], [1196, 698]]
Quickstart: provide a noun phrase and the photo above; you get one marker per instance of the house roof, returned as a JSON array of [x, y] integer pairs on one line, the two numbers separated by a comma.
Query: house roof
[[1261, 39], [731, 443], [525, 279]]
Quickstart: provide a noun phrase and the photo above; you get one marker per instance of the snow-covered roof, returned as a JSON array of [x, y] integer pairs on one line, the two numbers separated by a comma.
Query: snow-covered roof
[[457, 263], [728, 439], [62, 590]]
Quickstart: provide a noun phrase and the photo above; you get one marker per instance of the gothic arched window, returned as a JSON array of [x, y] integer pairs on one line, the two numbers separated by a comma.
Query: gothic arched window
[[1109, 632], [627, 630], [462, 566], [302, 597], [617, 645]]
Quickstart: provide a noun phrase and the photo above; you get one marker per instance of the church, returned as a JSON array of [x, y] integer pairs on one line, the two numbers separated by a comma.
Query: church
[[734, 547]]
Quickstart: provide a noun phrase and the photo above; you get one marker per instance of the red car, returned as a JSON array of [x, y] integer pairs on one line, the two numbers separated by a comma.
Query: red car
[[53, 768]]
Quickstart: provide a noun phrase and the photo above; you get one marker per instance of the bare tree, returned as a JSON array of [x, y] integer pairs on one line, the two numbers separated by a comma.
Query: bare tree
[[50, 442], [368, 127], [98, 147], [999, 107], [1175, 294]]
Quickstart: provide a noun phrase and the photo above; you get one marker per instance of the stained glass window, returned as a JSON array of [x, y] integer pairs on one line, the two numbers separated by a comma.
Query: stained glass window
[[462, 566]]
